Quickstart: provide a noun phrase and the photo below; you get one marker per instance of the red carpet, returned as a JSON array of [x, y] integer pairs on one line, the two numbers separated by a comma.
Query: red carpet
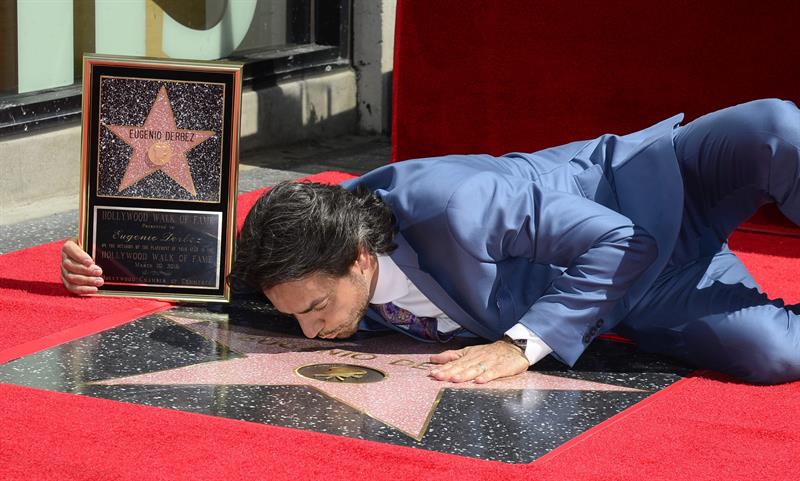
[[700, 428], [35, 303]]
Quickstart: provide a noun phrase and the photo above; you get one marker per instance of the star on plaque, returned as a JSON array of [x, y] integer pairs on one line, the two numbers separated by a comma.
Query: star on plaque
[[159, 145], [394, 387]]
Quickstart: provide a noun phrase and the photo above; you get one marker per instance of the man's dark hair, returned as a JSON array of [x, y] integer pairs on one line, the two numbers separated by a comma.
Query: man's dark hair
[[299, 228]]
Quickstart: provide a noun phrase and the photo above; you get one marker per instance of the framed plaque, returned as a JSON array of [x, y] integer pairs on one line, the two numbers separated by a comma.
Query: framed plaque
[[159, 175]]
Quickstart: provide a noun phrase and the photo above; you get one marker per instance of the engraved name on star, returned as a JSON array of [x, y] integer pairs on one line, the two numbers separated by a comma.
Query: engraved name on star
[[405, 399], [159, 145]]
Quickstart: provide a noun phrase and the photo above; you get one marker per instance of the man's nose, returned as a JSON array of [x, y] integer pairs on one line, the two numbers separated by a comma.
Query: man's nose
[[311, 325]]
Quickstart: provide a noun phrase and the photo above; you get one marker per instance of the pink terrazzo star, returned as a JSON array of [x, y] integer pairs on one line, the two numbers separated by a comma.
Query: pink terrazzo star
[[159, 145], [405, 399]]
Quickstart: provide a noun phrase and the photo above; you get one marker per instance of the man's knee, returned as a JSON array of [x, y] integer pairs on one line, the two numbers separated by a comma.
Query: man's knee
[[750, 135], [766, 136], [779, 124], [780, 118]]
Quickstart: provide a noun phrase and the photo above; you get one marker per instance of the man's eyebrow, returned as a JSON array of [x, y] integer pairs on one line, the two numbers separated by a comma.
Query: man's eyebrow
[[314, 304]]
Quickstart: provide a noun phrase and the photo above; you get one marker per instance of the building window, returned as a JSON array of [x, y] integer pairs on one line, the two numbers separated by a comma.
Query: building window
[[42, 43]]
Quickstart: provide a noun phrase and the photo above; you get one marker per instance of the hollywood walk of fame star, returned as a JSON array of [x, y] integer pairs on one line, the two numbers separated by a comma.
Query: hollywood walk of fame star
[[405, 399], [159, 145]]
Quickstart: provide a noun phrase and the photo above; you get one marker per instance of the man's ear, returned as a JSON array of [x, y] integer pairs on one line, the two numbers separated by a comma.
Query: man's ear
[[364, 259]]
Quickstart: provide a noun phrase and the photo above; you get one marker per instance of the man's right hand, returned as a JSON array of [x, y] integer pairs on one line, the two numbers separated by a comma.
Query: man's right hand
[[79, 273]]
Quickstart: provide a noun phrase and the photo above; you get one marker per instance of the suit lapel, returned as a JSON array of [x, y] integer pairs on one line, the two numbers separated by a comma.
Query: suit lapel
[[407, 260]]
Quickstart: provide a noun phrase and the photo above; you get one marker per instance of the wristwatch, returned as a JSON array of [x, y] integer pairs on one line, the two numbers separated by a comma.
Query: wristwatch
[[520, 343]]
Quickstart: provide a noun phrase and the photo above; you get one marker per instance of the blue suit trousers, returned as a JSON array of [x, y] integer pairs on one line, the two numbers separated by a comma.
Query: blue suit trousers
[[705, 308]]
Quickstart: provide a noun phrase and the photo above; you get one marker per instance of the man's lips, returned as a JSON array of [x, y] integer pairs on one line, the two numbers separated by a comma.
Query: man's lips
[[337, 334]]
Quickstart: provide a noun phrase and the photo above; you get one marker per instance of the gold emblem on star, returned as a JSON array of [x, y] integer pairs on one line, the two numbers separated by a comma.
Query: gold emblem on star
[[347, 373], [159, 145], [159, 153]]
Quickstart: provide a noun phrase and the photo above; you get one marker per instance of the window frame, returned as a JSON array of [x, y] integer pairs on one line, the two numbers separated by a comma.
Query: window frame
[[327, 50]]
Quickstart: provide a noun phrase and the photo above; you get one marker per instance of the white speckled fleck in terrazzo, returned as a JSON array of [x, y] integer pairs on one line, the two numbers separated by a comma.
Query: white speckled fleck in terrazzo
[[160, 140], [405, 399], [238, 361]]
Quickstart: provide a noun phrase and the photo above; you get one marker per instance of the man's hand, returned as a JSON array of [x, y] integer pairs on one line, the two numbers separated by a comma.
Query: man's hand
[[480, 363], [79, 273]]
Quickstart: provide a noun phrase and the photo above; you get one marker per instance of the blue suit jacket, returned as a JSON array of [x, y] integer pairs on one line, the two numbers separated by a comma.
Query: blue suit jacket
[[565, 240]]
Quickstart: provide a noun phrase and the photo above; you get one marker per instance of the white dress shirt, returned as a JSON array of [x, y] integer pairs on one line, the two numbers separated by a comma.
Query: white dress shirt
[[395, 287]]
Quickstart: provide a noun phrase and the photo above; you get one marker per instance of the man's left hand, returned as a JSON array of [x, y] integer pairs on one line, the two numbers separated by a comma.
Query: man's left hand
[[480, 363]]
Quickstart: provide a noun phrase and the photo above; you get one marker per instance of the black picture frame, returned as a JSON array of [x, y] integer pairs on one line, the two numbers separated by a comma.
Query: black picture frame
[[159, 173]]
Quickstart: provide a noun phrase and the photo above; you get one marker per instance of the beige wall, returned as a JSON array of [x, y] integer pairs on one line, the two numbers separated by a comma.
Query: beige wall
[[373, 55], [40, 170]]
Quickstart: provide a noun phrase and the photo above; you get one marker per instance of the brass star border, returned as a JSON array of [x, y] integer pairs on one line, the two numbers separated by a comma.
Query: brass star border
[[159, 145]]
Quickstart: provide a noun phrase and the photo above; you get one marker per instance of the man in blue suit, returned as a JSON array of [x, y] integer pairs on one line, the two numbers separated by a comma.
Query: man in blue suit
[[540, 253]]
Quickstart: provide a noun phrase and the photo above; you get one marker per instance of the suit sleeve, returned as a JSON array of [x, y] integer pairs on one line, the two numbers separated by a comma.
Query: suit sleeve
[[602, 253]]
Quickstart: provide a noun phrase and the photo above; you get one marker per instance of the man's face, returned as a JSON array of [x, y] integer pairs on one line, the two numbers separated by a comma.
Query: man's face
[[325, 306]]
